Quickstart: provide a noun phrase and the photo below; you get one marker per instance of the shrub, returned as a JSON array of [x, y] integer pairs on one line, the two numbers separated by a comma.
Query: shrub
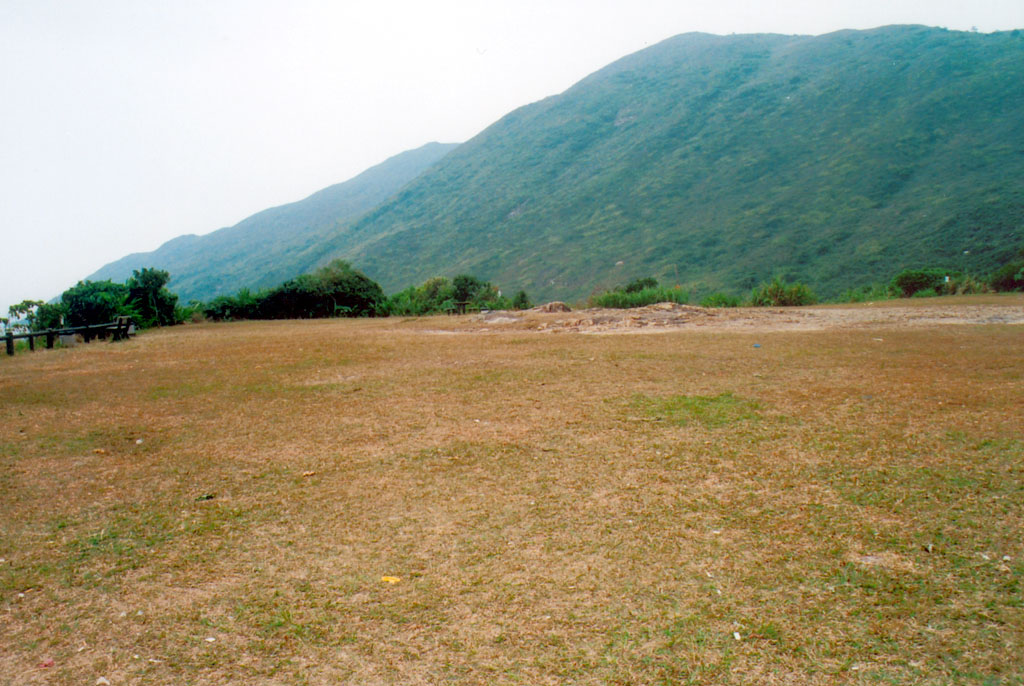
[[910, 281], [638, 285], [863, 294], [336, 290], [777, 293], [963, 284], [521, 301], [621, 299], [720, 300], [438, 295], [1009, 277], [242, 305]]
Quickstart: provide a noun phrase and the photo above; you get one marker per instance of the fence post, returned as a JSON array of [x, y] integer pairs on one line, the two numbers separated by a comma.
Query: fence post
[[10, 342], [32, 343], [49, 339]]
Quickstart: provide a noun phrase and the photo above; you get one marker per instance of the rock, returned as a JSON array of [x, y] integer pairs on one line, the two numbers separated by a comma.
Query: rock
[[556, 306]]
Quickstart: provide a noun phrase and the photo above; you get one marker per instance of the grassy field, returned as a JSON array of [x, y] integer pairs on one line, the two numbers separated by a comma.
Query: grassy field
[[382, 502]]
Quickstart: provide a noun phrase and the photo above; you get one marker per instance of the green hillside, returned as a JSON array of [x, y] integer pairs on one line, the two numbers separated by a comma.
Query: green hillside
[[275, 244], [716, 162]]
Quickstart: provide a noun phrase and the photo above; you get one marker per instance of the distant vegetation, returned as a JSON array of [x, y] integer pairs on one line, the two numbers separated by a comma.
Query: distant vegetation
[[1009, 277], [778, 293], [438, 295], [336, 290], [339, 290], [715, 161], [832, 160], [639, 293], [144, 298]]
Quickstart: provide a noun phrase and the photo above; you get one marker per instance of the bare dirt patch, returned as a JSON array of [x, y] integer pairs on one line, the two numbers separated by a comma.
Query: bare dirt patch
[[671, 316]]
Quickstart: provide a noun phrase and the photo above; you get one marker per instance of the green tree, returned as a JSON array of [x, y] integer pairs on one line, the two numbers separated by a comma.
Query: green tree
[[39, 315], [47, 316], [150, 302], [336, 290], [467, 287], [93, 302], [23, 311], [521, 301]]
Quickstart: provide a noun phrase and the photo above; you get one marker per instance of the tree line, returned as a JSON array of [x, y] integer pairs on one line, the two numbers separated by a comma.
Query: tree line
[[339, 290], [335, 290], [143, 297]]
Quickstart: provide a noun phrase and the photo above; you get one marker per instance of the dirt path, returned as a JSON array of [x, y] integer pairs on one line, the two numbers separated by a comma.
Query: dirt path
[[669, 316]]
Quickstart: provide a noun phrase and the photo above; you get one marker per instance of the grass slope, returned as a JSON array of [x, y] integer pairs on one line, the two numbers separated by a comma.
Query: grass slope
[[278, 243], [716, 162]]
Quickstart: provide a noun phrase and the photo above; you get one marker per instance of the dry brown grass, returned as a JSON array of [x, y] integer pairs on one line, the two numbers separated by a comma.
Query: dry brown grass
[[557, 508]]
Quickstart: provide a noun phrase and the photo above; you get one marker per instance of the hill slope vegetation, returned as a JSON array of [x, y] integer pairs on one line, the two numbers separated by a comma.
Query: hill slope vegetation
[[717, 162]]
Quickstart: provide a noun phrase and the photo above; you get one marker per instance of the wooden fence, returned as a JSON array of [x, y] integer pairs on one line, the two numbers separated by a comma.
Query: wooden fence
[[119, 330]]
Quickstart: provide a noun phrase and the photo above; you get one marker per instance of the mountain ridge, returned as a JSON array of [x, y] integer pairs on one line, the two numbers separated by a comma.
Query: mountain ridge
[[277, 243], [716, 162], [725, 159]]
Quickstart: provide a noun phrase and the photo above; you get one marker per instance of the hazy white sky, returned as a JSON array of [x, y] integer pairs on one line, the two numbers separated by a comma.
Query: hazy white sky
[[125, 123]]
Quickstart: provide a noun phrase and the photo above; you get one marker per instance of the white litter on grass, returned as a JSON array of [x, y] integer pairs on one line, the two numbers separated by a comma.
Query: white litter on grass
[[103, 681], [736, 635], [138, 441], [210, 639]]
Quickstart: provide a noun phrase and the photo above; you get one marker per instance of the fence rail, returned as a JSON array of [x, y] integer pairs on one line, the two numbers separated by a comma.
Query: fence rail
[[119, 330]]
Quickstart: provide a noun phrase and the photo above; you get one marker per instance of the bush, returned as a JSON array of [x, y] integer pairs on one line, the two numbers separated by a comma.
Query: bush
[[621, 299], [521, 301], [638, 285], [439, 295], [963, 284], [777, 293], [720, 300], [336, 290], [242, 305], [863, 294], [910, 281], [1009, 277]]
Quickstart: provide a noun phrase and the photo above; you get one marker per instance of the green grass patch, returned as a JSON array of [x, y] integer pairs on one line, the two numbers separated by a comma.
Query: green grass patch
[[714, 411]]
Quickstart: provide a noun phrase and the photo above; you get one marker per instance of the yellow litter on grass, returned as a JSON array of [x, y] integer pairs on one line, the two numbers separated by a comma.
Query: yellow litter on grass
[[390, 579]]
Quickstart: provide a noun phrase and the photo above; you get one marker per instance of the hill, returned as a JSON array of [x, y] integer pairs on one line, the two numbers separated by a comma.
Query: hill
[[717, 161], [275, 244]]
